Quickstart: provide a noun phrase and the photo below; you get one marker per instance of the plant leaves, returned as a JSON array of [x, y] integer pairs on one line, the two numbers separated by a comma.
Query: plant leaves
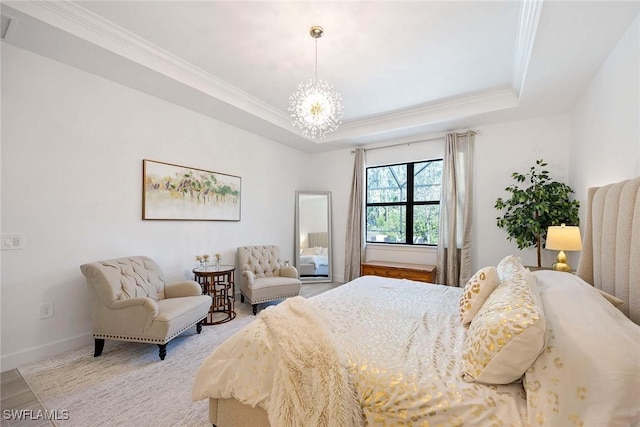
[[531, 210]]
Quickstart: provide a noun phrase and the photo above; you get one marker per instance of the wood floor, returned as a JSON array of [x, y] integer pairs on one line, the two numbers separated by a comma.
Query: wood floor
[[310, 289], [17, 400]]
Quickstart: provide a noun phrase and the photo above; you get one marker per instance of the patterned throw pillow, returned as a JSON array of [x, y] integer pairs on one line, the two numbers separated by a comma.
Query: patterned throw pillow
[[477, 290], [507, 334], [510, 267]]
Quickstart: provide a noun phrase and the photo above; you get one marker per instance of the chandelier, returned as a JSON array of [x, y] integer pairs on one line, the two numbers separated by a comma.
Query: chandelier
[[315, 107]]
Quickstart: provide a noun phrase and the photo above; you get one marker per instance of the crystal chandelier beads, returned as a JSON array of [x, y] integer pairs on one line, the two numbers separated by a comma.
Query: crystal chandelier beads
[[315, 108]]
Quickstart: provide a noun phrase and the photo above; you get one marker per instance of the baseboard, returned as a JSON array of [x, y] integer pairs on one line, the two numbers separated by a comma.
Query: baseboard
[[33, 354]]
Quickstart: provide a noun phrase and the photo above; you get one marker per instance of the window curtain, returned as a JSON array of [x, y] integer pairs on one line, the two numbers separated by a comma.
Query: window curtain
[[454, 240], [354, 245]]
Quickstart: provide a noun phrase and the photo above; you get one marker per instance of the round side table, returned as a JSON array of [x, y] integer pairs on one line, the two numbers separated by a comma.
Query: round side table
[[218, 281]]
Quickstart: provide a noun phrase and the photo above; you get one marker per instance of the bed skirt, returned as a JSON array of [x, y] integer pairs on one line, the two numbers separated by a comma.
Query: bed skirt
[[311, 270], [231, 413]]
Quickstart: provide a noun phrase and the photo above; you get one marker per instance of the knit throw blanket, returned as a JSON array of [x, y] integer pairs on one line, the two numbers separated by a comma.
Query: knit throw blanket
[[312, 386]]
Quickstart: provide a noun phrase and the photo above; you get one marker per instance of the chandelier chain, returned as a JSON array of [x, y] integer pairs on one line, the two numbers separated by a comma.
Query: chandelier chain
[[316, 69]]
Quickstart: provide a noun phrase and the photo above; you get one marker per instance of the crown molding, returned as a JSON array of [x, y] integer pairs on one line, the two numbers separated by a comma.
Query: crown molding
[[527, 27], [84, 24], [433, 113], [68, 16]]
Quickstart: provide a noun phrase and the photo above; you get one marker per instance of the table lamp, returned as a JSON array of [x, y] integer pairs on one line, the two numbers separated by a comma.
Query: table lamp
[[563, 238]]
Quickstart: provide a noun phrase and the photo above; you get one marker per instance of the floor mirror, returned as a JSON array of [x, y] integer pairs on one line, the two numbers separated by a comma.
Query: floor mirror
[[313, 236]]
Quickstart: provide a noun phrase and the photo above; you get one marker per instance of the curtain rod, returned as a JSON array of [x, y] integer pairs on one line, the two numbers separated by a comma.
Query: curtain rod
[[434, 138]]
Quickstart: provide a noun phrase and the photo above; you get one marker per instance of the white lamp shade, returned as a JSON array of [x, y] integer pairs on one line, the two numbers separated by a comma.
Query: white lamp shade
[[563, 238]]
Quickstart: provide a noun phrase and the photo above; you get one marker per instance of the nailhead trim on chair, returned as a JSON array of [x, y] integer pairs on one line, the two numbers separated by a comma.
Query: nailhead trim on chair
[[151, 340], [270, 299]]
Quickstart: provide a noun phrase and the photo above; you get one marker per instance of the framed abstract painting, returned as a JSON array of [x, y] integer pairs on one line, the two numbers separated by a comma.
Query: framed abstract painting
[[173, 192]]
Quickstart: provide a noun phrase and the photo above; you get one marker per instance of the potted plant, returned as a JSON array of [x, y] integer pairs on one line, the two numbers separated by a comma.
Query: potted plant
[[534, 206]]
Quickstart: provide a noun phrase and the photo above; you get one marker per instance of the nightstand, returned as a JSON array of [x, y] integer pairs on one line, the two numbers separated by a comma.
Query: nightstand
[[218, 281], [532, 268]]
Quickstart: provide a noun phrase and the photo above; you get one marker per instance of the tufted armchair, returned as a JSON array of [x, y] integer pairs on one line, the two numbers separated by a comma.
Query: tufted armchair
[[264, 277], [130, 301]]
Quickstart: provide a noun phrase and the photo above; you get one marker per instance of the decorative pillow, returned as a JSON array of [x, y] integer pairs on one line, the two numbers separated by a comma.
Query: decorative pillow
[[507, 334], [510, 267], [478, 288], [308, 251]]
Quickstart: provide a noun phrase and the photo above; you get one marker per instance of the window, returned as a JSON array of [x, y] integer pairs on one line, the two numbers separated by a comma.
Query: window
[[403, 203]]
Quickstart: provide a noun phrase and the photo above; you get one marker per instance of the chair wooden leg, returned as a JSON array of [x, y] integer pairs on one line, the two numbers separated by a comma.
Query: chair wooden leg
[[163, 351], [241, 298], [255, 309], [199, 326], [99, 342]]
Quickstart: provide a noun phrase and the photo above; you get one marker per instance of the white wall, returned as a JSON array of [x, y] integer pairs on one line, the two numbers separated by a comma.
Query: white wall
[[72, 150], [332, 172], [605, 137], [597, 143], [73, 144], [500, 150]]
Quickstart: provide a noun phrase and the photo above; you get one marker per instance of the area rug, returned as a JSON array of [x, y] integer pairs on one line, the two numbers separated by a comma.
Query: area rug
[[128, 385]]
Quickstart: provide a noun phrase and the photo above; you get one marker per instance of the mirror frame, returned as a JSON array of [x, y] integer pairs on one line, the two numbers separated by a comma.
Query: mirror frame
[[329, 278]]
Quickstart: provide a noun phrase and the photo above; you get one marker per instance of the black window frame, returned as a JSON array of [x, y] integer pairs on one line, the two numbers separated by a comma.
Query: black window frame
[[409, 204]]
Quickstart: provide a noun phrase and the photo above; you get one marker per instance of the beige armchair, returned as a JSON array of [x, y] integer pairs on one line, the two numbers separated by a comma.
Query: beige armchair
[[264, 276], [131, 302]]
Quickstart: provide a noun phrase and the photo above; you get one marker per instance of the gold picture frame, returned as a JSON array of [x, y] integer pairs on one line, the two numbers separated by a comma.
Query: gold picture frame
[[174, 192]]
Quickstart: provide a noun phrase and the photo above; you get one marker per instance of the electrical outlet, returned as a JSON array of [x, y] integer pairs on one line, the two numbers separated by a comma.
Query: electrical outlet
[[46, 310], [12, 241]]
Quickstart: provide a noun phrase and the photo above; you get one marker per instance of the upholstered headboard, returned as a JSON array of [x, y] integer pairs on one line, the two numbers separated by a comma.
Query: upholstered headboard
[[319, 239], [610, 258]]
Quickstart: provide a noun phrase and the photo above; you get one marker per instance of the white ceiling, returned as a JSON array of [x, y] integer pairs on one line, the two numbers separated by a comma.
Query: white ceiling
[[404, 69]]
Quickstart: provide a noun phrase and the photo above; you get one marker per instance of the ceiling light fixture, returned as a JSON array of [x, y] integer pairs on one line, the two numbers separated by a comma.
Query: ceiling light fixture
[[315, 107]]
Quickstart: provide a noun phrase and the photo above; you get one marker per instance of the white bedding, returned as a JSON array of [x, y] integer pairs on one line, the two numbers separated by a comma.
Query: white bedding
[[401, 342], [589, 373], [404, 364], [316, 260]]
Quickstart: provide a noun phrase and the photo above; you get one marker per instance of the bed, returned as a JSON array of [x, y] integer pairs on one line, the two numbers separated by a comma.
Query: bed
[[314, 259], [379, 351]]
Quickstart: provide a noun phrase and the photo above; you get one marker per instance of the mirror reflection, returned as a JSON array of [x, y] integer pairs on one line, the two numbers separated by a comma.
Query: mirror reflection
[[313, 235]]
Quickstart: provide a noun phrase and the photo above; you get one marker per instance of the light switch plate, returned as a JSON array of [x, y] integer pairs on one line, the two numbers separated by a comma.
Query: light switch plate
[[12, 241]]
